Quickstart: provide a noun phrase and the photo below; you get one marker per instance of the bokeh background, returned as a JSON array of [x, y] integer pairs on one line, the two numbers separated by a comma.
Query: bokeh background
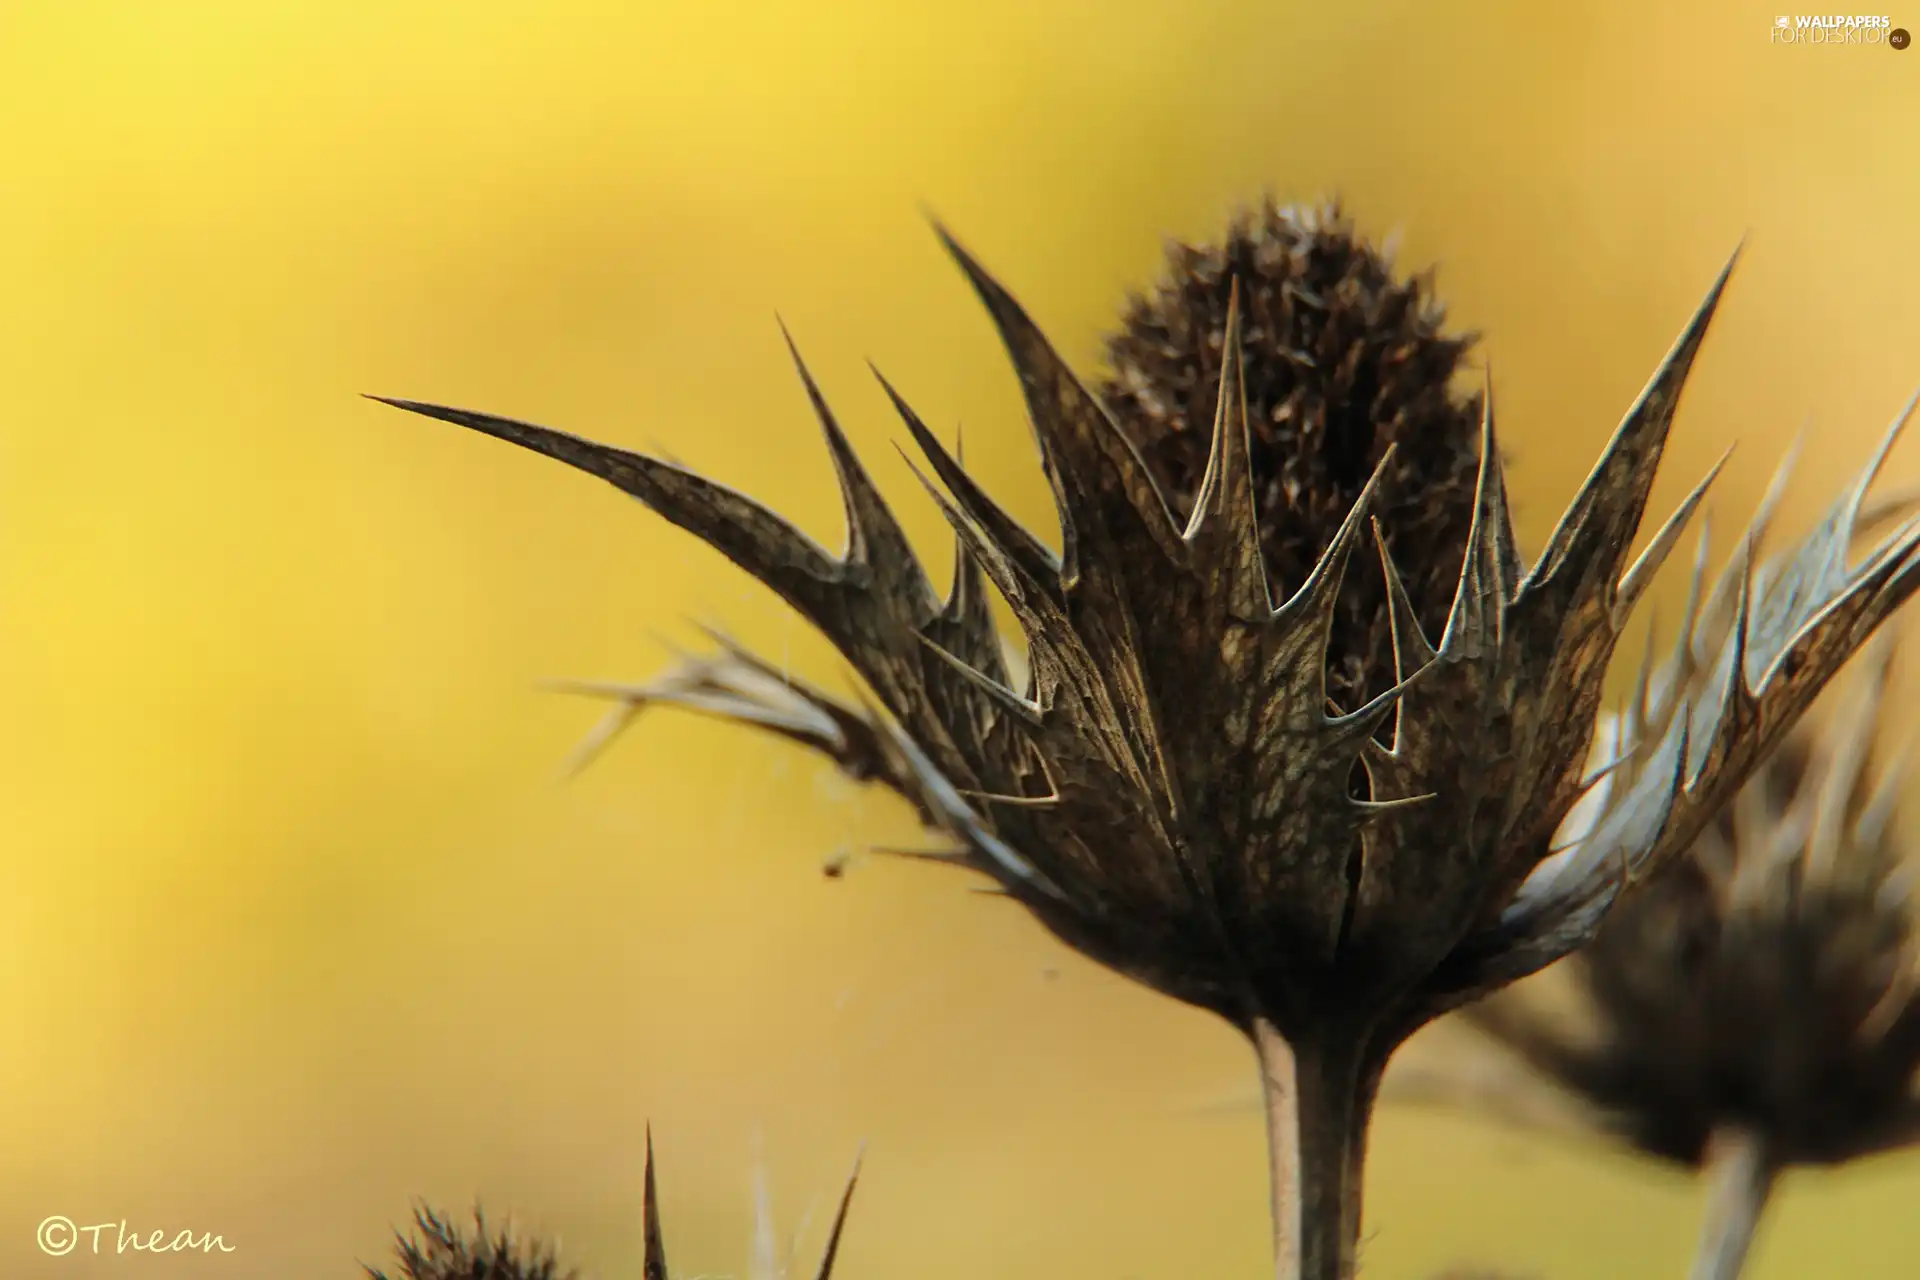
[[298, 923]]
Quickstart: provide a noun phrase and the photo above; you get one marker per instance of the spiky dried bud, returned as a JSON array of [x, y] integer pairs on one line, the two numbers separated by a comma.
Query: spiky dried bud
[[1343, 361], [1171, 789], [438, 1249], [1756, 1008]]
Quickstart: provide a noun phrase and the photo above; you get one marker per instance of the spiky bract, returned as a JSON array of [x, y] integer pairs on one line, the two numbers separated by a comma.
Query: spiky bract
[[654, 1260]]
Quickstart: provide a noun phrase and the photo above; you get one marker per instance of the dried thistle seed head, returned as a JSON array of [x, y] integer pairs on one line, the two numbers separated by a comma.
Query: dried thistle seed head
[[1766, 984], [1342, 361], [1168, 792], [1168, 788], [438, 1249]]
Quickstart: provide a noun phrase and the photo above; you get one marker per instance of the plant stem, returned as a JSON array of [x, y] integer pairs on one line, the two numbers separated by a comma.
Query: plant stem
[[1740, 1176], [1318, 1102]]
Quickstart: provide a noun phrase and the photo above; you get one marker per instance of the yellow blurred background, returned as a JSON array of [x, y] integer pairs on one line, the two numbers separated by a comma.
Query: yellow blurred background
[[296, 922]]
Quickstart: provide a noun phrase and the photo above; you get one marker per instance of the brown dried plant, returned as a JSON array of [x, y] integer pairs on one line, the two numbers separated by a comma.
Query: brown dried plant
[[1756, 1008], [1320, 804]]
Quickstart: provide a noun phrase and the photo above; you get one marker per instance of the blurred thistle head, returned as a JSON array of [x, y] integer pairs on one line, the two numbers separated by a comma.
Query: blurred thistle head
[[439, 1249], [1755, 1007], [1179, 786], [1762, 990]]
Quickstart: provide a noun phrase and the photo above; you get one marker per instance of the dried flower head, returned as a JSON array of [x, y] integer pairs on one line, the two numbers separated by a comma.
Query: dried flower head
[[1171, 789], [1756, 1007], [1342, 361], [440, 1250]]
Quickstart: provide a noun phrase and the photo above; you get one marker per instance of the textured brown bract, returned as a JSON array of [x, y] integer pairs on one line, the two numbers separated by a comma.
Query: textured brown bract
[[1172, 789], [1766, 983]]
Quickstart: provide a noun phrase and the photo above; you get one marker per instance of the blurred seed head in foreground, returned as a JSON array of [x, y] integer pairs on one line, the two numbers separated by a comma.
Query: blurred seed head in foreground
[[439, 1250]]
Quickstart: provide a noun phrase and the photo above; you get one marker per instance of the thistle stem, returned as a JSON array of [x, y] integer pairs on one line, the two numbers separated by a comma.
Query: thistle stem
[[1740, 1176], [1318, 1102]]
